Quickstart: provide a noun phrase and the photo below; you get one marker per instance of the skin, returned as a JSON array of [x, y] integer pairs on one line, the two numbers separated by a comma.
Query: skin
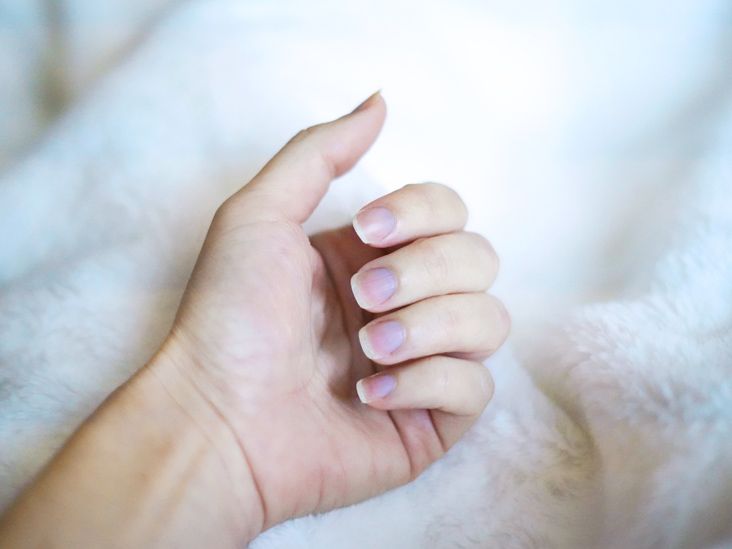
[[249, 414]]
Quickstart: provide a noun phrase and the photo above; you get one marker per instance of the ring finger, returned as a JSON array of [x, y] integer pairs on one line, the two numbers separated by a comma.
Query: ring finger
[[414, 211]]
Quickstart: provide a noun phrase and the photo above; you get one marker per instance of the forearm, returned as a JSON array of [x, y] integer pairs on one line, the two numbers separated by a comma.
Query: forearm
[[152, 467]]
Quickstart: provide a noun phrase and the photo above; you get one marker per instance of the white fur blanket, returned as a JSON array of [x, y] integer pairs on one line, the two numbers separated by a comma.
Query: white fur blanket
[[591, 140]]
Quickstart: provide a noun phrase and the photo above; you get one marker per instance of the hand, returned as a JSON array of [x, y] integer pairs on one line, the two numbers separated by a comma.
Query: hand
[[271, 337]]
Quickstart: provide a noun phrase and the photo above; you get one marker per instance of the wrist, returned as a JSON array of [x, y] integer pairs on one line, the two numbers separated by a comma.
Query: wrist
[[152, 466], [230, 486]]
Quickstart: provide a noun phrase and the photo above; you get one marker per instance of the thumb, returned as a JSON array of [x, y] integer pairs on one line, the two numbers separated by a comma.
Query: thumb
[[294, 181]]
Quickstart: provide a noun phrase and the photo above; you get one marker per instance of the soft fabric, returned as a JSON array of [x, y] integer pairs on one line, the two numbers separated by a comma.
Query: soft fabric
[[591, 141]]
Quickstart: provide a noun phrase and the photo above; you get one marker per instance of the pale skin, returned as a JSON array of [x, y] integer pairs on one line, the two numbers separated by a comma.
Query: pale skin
[[300, 375]]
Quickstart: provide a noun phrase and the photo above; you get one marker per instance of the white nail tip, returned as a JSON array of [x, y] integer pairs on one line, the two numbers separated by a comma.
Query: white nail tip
[[359, 231], [360, 392], [356, 293], [367, 350]]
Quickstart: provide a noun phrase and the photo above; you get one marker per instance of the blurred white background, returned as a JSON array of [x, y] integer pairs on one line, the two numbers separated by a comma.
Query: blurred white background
[[553, 112]]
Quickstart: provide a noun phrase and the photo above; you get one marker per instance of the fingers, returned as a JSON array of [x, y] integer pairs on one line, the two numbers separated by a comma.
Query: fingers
[[427, 267], [474, 325], [443, 383], [291, 185], [411, 212], [445, 324]]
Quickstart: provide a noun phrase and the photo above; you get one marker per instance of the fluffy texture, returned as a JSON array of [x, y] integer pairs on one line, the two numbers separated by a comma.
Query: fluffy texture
[[592, 146]]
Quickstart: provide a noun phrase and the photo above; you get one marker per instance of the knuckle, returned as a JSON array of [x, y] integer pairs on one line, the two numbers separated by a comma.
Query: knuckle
[[502, 318], [485, 252], [484, 246], [494, 325], [449, 320], [442, 380], [313, 154], [305, 134], [425, 199], [484, 304], [224, 213], [448, 196], [436, 188], [485, 384], [323, 163], [434, 200], [435, 261], [223, 208]]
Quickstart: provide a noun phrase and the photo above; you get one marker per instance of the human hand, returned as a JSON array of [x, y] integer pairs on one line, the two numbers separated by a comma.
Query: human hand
[[270, 336]]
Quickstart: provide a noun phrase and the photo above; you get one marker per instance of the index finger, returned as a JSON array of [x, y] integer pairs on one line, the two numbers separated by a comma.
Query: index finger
[[414, 211]]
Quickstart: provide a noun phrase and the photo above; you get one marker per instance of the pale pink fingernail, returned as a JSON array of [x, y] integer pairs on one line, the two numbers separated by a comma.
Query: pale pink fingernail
[[375, 387], [381, 339], [373, 287], [373, 225]]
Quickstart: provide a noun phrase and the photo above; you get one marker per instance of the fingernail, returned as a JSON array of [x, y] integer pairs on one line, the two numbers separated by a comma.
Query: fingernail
[[374, 224], [375, 387], [370, 100], [381, 339], [373, 287]]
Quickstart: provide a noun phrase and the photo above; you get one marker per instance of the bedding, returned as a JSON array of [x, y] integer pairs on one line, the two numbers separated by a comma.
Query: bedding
[[592, 143]]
